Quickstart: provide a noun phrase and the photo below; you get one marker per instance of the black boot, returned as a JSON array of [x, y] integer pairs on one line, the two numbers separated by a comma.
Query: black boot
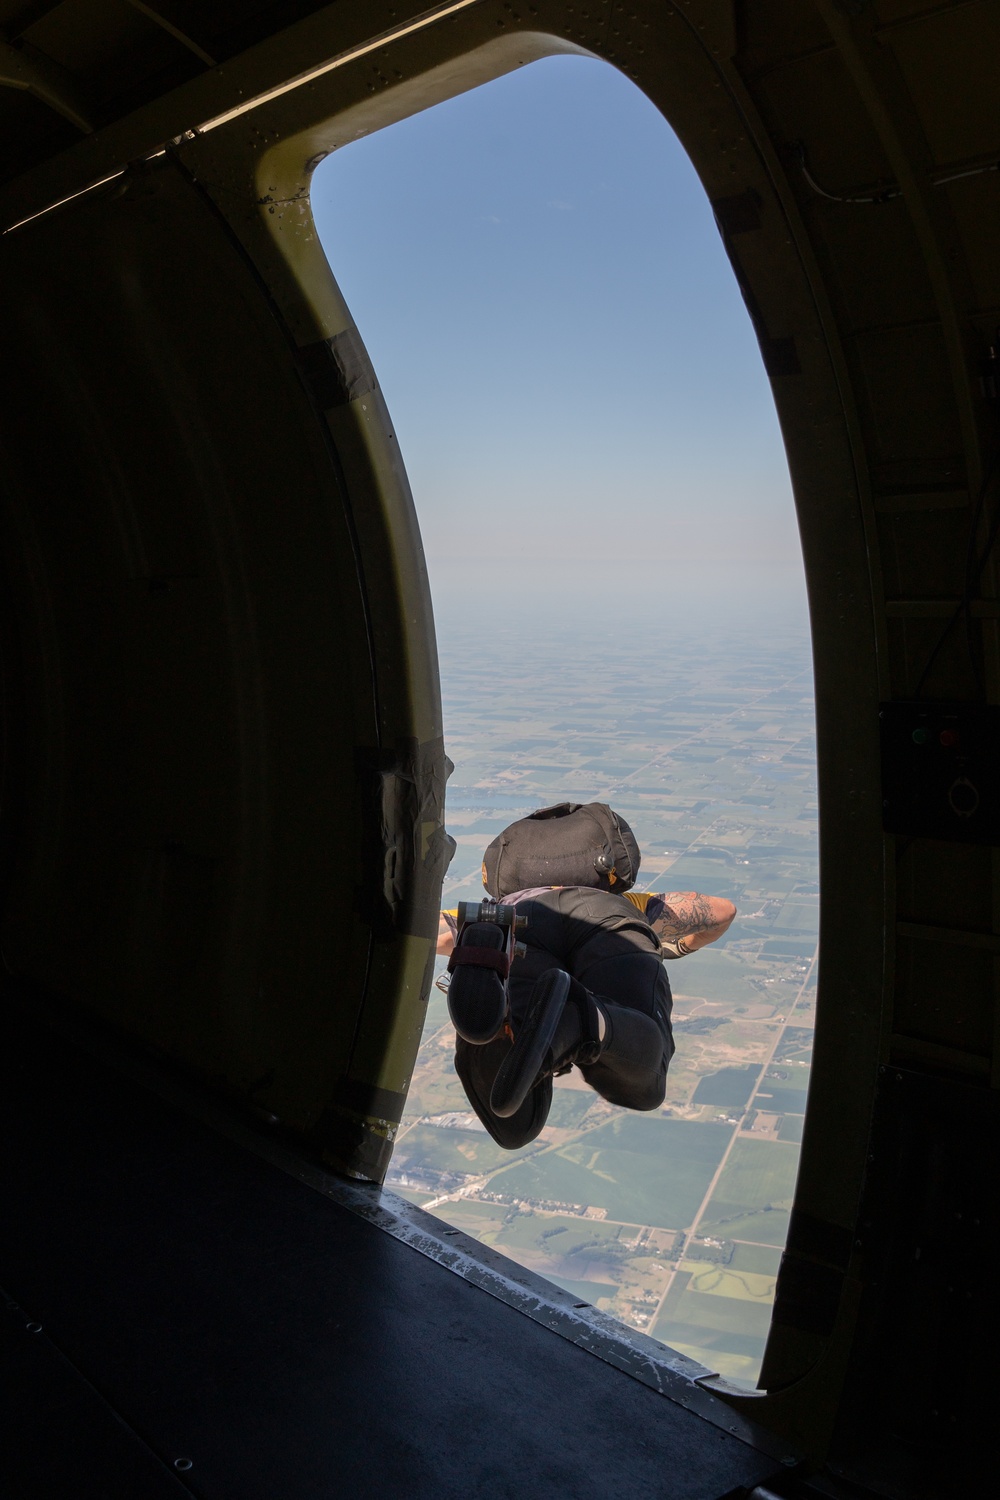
[[561, 1028], [477, 1067], [477, 994]]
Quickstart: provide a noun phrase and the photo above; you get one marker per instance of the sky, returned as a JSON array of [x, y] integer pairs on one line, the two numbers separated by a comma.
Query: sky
[[571, 373]]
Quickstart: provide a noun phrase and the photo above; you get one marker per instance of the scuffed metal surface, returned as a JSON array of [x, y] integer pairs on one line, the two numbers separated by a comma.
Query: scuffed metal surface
[[664, 1370]]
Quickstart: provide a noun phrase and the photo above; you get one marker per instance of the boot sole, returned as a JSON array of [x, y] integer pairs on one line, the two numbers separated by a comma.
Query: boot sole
[[519, 1070], [477, 998]]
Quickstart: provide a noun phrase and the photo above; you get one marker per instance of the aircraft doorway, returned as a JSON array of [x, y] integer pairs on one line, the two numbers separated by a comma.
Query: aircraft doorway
[[581, 406]]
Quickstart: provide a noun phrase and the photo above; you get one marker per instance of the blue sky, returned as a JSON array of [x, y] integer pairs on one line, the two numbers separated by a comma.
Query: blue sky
[[571, 372]]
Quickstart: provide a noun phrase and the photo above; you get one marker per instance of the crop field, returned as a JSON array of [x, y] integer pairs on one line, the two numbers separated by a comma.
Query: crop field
[[724, 1332], [763, 1227], [757, 1172], [558, 1236], [723, 1281], [722, 1315], [720, 975], [466, 1151], [780, 1101], [796, 1045], [569, 1107], [789, 1075], [483, 1221], [661, 1184], [732, 1086], [758, 1259]]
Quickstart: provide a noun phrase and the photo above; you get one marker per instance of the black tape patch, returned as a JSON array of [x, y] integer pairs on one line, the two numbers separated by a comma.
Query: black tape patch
[[358, 1147], [738, 215], [779, 355], [338, 370], [409, 850], [371, 1102]]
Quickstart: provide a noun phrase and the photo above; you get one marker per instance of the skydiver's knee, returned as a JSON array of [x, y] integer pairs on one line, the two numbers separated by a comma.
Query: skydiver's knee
[[653, 1096], [634, 1092]]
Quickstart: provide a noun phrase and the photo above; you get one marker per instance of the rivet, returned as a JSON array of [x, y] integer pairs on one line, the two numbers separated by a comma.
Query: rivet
[[183, 1464], [34, 1327]]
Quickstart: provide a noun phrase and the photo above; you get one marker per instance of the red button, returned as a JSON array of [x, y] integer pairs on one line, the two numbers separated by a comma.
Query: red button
[[948, 737]]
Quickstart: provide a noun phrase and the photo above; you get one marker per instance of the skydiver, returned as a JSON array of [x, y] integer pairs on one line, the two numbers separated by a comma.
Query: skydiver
[[587, 985]]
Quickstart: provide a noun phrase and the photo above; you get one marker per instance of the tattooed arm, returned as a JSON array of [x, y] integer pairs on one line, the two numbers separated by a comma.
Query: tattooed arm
[[447, 931], [690, 921]]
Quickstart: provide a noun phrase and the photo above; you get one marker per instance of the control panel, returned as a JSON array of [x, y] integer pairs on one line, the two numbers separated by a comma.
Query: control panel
[[941, 770]]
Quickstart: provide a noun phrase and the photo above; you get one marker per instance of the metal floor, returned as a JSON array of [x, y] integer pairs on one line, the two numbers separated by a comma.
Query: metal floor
[[185, 1317]]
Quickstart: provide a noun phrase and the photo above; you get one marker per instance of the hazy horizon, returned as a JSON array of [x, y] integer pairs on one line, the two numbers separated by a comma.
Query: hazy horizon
[[572, 376]]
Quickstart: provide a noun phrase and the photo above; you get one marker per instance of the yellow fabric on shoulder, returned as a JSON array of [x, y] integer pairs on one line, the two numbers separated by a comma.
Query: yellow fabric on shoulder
[[641, 899]]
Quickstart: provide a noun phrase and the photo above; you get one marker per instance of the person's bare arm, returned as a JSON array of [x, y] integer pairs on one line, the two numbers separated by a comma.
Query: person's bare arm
[[446, 937], [692, 920]]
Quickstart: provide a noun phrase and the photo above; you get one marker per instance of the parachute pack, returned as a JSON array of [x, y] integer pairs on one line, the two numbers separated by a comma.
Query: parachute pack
[[571, 843]]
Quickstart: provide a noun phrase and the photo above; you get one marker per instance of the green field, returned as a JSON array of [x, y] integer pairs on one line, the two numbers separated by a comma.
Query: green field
[[796, 1043], [766, 1227], [712, 974], [556, 1236], [728, 1316], [798, 916], [777, 1100], [757, 1173], [643, 1171], [729, 1086], [569, 1107], [723, 1281], [789, 1075], [478, 1219], [435, 1150], [756, 1258], [711, 1323]]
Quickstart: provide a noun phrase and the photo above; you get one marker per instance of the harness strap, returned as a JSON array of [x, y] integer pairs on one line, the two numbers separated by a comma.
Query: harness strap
[[479, 958]]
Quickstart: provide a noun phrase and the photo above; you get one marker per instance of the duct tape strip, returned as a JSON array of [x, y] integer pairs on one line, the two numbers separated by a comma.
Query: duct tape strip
[[409, 850], [356, 1143], [338, 370], [740, 214]]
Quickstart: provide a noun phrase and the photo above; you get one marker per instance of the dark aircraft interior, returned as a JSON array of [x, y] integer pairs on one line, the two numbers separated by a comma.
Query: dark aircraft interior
[[224, 773]]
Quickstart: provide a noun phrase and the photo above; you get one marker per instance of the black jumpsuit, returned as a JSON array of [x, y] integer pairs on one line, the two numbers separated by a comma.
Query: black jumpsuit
[[603, 941]]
